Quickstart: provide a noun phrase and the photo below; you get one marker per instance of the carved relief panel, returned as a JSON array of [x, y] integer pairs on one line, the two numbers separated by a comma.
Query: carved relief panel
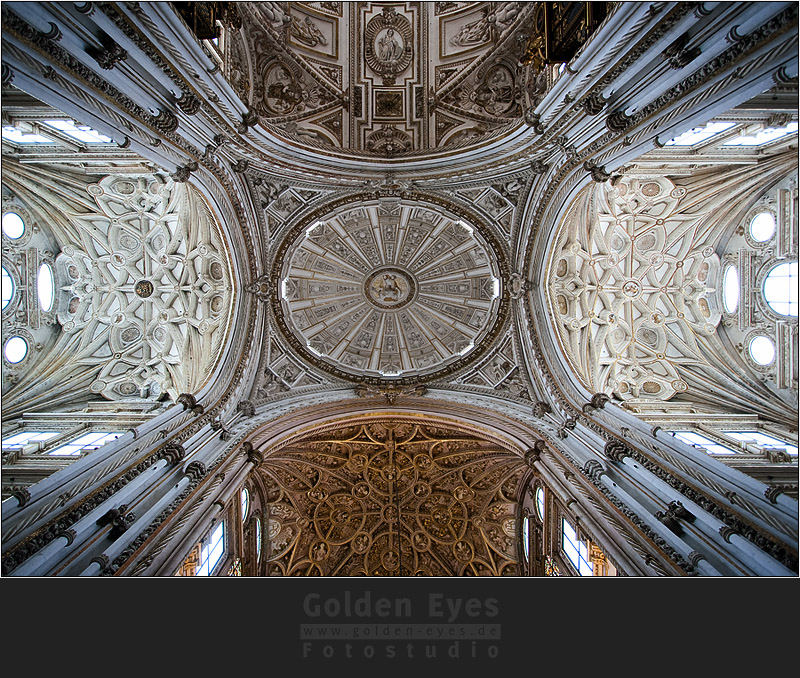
[[392, 498]]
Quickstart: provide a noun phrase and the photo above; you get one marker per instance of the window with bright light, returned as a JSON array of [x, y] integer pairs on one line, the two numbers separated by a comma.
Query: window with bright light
[[79, 132], [730, 289], [698, 134], [762, 226], [245, 502], [16, 349], [13, 225], [540, 503], [44, 287], [526, 537], [702, 442], [7, 288], [212, 551], [12, 134], [577, 551], [762, 440], [258, 538], [780, 289], [762, 350], [20, 440], [86, 443], [763, 137]]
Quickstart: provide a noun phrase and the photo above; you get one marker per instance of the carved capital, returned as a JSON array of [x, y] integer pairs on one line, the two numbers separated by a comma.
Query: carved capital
[[189, 402], [616, 450], [670, 521], [539, 167], [541, 408], [246, 407], [594, 103], [22, 496], [618, 121], [598, 172], [195, 470], [533, 119], [594, 469], [597, 402], [68, 534], [675, 508], [181, 174], [240, 166], [727, 532], [772, 493], [189, 103], [695, 557], [172, 453]]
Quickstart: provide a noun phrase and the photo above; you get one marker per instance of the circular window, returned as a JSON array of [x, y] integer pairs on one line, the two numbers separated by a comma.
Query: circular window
[[16, 349], [8, 288], [540, 503], [44, 285], [730, 289], [245, 503], [258, 538], [762, 350], [13, 225], [762, 226], [780, 289]]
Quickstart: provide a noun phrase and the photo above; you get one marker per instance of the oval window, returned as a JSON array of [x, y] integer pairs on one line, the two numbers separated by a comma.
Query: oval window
[[44, 286], [780, 289], [13, 225], [8, 288], [526, 536], [762, 226], [762, 350], [245, 503], [730, 289], [540, 503], [16, 349]]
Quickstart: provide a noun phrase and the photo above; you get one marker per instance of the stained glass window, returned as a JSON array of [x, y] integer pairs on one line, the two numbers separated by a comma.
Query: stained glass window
[[235, 569], [550, 568]]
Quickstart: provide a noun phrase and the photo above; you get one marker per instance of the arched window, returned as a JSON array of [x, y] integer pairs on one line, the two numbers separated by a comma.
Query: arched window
[[16, 349], [540, 503], [780, 289], [8, 288], [258, 538], [526, 536], [13, 225], [245, 503]]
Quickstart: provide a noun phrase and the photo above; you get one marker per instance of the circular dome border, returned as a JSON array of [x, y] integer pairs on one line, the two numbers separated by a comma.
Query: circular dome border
[[496, 323]]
